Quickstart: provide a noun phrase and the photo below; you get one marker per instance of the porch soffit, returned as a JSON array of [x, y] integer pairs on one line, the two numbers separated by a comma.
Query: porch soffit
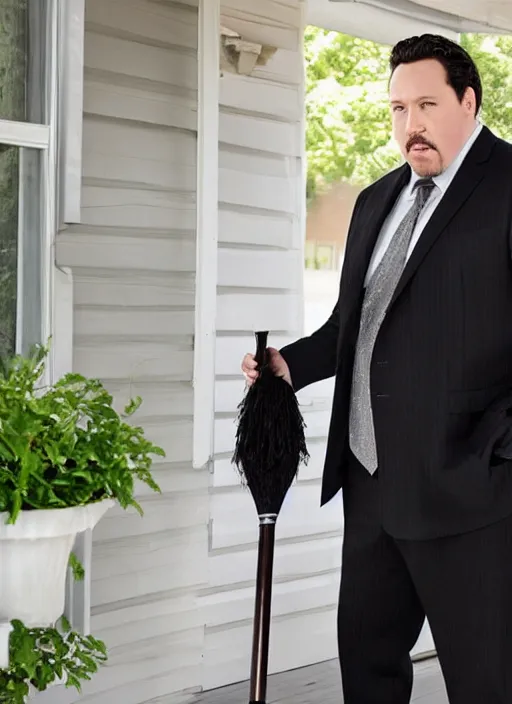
[[387, 21]]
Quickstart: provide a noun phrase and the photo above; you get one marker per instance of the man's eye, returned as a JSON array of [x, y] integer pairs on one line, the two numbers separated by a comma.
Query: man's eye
[[427, 103], [397, 108]]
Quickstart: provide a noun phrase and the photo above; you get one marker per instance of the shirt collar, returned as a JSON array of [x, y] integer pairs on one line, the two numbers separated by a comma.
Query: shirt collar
[[443, 180]]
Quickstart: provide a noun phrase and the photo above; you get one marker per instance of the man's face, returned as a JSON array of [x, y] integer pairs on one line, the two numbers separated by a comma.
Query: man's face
[[430, 124]]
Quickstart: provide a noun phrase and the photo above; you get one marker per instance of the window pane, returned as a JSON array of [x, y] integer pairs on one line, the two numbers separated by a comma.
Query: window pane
[[13, 59], [20, 250], [22, 66], [9, 173]]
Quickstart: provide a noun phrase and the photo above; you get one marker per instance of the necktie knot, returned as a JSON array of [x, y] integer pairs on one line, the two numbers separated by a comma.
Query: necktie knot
[[423, 188]]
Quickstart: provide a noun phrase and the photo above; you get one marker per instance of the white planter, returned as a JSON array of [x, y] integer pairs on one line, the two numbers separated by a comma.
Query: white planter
[[5, 632], [34, 556]]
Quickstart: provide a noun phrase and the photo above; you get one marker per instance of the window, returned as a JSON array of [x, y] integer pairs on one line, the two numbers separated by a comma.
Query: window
[[25, 195]]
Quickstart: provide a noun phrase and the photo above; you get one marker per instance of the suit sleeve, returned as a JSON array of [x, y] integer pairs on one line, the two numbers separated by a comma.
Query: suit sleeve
[[313, 358]]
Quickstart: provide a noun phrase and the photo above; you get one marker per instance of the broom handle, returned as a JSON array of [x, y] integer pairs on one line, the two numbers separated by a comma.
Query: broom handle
[[261, 348], [260, 642]]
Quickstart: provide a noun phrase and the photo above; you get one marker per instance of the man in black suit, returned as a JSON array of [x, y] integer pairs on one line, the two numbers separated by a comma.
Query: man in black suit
[[420, 343]]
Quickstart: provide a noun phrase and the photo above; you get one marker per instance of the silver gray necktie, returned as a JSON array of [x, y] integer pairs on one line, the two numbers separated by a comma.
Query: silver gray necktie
[[377, 297]]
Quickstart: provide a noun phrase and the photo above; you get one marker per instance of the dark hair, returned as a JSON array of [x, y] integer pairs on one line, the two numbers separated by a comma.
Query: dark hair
[[461, 71]]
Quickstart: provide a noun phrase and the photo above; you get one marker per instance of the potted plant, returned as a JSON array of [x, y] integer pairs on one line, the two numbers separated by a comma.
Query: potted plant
[[66, 455]]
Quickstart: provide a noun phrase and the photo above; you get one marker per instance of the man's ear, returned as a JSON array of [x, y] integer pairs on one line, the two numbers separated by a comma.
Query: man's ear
[[469, 101]]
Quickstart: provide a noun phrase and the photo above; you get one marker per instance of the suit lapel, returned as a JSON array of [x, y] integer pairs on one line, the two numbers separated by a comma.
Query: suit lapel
[[464, 183], [367, 228]]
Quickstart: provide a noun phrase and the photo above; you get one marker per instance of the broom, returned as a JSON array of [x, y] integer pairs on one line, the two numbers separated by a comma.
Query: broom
[[270, 445]]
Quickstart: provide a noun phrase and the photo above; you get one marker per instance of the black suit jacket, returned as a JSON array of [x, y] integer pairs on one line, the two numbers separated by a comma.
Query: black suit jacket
[[441, 376]]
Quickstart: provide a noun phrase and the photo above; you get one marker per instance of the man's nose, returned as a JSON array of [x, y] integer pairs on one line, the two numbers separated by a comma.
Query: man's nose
[[414, 123]]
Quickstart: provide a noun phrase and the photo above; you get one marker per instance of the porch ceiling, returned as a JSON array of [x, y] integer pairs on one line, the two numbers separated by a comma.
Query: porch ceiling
[[387, 21]]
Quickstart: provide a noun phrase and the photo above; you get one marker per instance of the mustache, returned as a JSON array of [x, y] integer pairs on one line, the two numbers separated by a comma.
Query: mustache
[[418, 139]]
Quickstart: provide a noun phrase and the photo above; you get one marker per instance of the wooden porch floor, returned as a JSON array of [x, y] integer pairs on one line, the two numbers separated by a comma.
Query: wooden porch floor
[[320, 684]]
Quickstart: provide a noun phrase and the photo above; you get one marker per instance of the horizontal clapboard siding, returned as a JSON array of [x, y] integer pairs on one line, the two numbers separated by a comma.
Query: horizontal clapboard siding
[[260, 287], [133, 262]]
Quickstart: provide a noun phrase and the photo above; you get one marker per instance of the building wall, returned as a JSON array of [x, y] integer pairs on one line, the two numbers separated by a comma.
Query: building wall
[[327, 224], [329, 215], [133, 263]]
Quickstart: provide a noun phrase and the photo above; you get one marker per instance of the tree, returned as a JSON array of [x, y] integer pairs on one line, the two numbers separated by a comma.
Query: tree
[[348, 120], [493, 56]]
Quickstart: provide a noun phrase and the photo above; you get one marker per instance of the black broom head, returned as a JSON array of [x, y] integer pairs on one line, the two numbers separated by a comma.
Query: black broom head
[[270, 440]]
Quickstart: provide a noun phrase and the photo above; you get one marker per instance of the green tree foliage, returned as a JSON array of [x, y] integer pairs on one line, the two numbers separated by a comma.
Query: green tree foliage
[[348, 120], [493, 56]]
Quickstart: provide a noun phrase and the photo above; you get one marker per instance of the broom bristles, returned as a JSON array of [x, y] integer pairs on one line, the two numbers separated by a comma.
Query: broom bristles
[[270, 440]]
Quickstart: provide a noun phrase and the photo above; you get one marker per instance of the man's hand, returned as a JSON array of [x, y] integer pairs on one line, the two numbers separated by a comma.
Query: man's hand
[[277, 364]]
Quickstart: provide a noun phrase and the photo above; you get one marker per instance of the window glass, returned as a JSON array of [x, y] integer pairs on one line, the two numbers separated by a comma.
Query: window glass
[[13, 59], [9, 174], [20, 249], [22, 59]]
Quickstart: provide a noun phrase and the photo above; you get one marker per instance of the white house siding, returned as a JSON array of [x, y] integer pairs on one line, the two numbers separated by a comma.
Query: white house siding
[[261, 230], [133, 262]]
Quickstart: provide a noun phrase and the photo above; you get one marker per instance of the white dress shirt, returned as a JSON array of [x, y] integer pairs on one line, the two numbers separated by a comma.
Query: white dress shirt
[[405, 201]]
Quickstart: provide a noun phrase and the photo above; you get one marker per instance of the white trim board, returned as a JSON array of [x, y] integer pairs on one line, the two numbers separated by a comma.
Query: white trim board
[[207, 231], [71, 23]]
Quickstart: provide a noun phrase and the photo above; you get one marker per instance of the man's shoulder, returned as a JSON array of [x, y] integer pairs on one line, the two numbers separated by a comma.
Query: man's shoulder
[[503, 150]]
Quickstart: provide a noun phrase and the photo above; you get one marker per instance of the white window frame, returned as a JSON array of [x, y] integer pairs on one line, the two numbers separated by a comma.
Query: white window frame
[[24, 134], [40, 137]]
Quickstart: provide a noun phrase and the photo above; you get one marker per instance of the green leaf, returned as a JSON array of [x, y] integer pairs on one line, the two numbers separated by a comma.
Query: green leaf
[[6, 449], [76, 567], [64, 623], [73, 681], [133, 406]]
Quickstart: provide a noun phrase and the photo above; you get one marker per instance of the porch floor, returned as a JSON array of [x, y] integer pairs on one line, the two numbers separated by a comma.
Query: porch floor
[[320, 684]]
